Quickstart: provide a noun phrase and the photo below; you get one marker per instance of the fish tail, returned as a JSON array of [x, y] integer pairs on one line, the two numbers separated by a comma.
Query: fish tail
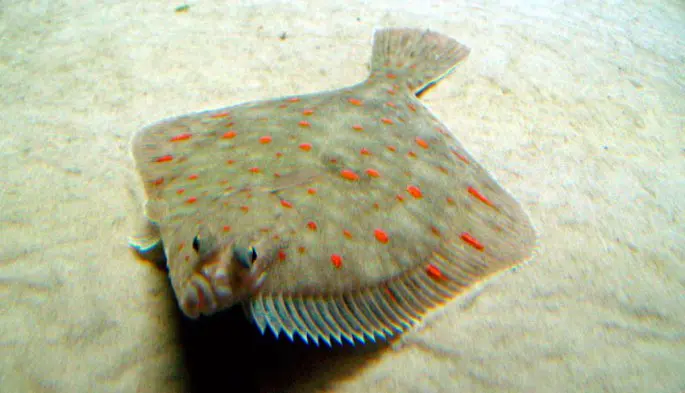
[[415, 58]]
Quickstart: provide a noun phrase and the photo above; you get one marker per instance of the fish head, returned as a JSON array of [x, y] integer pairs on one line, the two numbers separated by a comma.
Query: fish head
[[224, 271]]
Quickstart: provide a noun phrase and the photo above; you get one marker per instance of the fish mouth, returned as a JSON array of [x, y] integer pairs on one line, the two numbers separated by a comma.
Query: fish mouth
[[212, 289], [207, 291]]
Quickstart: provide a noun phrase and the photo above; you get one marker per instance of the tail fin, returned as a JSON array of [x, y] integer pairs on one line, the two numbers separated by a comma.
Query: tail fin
[[415, 58]]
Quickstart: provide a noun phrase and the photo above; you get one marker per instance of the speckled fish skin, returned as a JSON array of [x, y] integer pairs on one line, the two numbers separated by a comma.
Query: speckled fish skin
[[338, 216]]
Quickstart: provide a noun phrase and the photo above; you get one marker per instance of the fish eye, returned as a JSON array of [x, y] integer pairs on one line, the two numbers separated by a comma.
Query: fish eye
[[196, 243], [245, 256]]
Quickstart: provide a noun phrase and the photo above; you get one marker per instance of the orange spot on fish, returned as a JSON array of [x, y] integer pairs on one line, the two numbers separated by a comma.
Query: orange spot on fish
[[286, 204], [385, 120], [381, 235], [281, 255], [443, 170], [244, 208], [411, 154], [277, 175], [158, 181], [450, 201], [279, 154], [254, 169], [180, 137], [305, 146], [399, 197], [435, 231], [312, 225], [193, 176], [220, 115], [471, 241], [347, 234], [391, 148], [311, 191], [434, 272], [229, 134], [390, 104], [364, 151], [293, 99], [373, 173], [230, 162], [376, 205], [301, 249], [357, 127], [181, 246], [265, 139], [349, 175], [421, 142], [412, 107], [336, 260], [180, 191], [390, 75], [227, 228], [442, 131], [461, 157], [307, 112], [191, 200], [480, 196], [355, 101], [304, 123], [414, 191], [166, 158]]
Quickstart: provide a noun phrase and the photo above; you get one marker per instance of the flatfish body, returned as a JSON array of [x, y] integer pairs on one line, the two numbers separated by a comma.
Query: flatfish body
[[343, 215]]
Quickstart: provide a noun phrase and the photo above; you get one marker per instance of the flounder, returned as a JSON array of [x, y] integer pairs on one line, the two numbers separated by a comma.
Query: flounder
[[343, 215]]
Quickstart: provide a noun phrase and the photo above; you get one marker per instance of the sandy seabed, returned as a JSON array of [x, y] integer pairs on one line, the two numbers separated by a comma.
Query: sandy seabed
[[578, 108]]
